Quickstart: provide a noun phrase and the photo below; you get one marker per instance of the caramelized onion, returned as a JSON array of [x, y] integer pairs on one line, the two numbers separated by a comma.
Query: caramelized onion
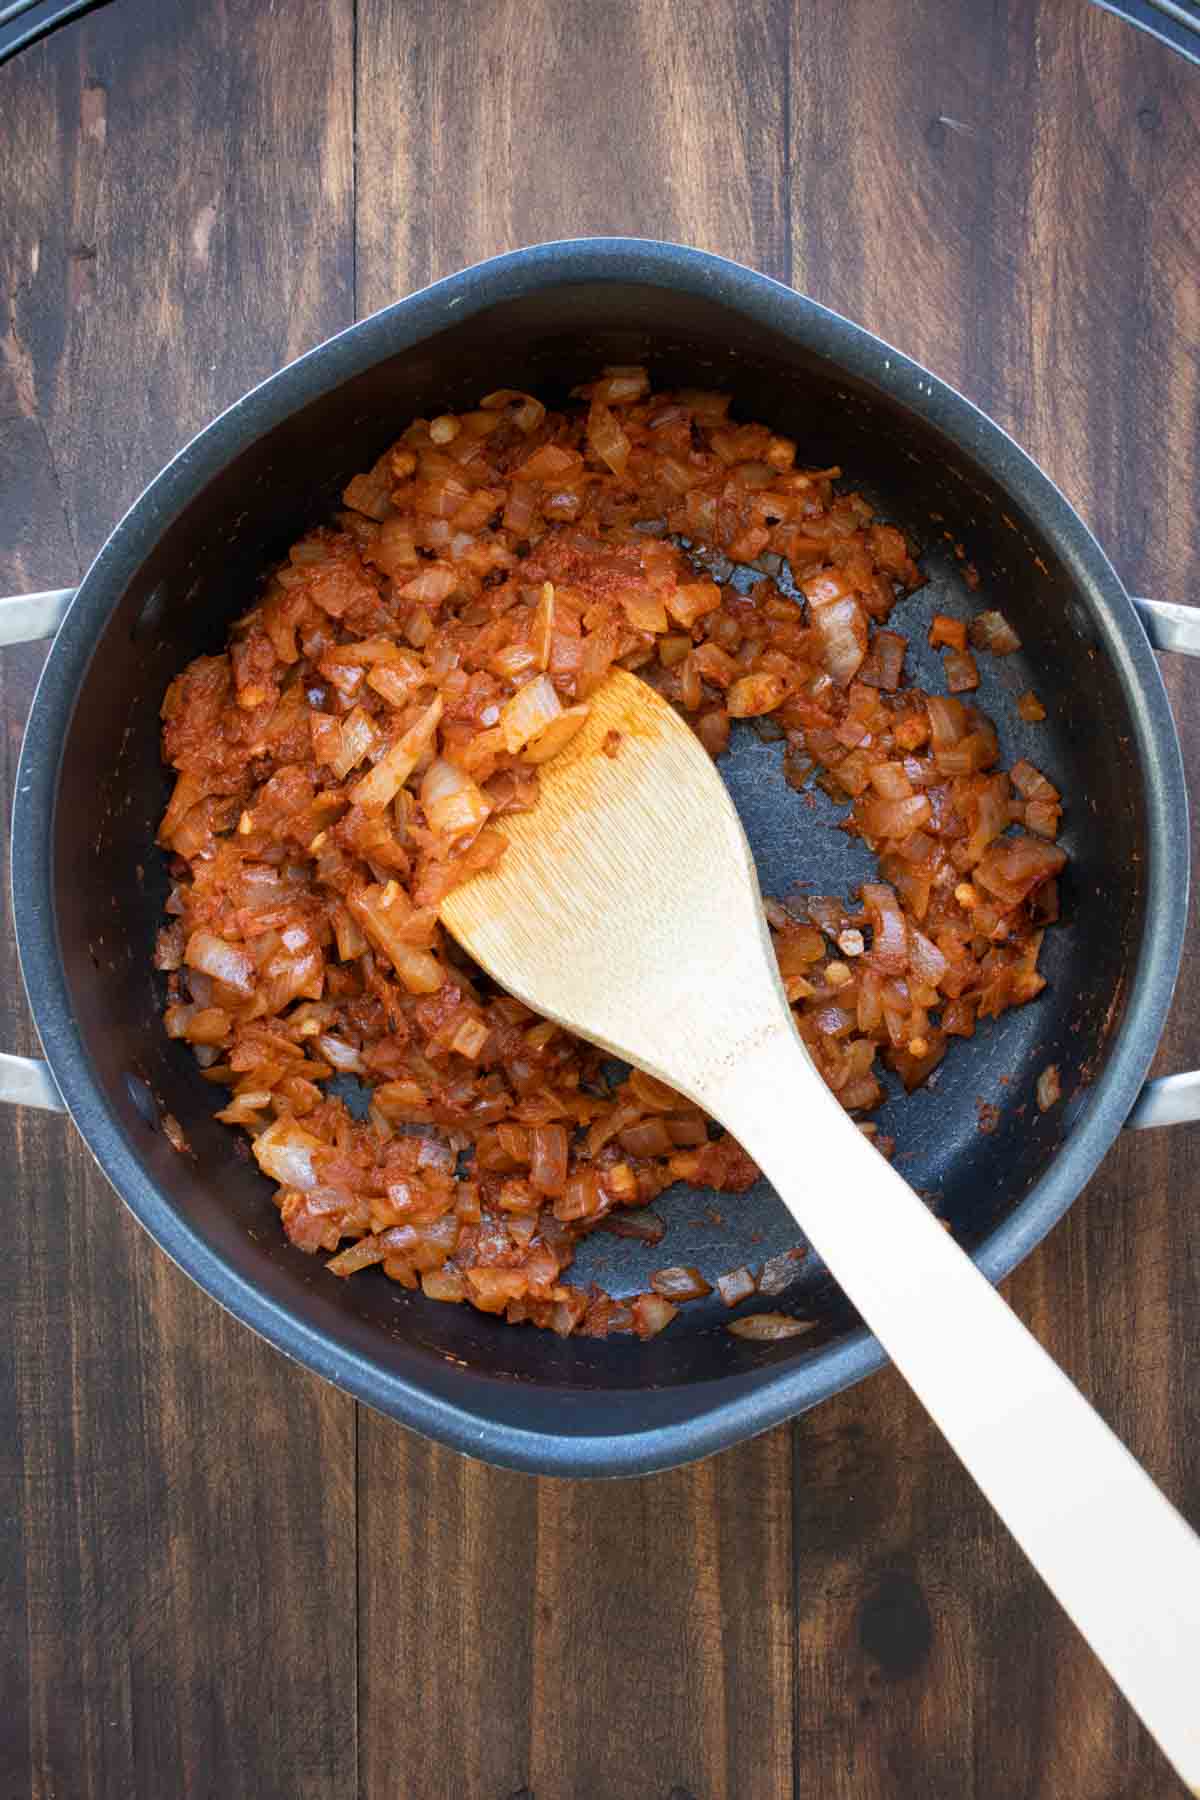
[[401, 679]]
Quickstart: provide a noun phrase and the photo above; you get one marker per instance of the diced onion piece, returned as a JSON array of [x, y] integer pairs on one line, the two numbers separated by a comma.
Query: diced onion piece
[[550, 463], [890, 781], [522, 504], [528, 713], [1031, 784], [992, 631], [947, 721], [382, 918], [1031, 708], [779, 1272], [652, 1314], [284, 1151], [926, 962], [359, 737], [492, 1289], [395, 766], [606, 439], [453, 804], [962, 673], [470, 1038], [1049, 1088], [397, 681], [639, 1223], [889, 929], [950, 632], [753, 695], [736, 1286], [881, 818], [769, 1327], [1014, 866], [644, 609], [548, 1159], [435, 583], [541, 638], [357, 1256], [225, 962], [337, 1051], [680, 1283], [443, 1284], [621, 385], [649, 1137], [692, 601], [557, 735], [527, 413], [841, 628]]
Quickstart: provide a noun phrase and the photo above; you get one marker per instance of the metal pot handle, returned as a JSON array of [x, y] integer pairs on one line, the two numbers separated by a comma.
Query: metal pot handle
[[26, 1081]]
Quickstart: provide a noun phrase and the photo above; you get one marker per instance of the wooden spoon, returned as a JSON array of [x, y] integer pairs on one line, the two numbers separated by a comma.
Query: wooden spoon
[[627, 909]]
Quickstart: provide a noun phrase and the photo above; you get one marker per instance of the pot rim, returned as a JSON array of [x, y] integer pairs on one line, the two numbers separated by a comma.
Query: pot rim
[[782, 1390]]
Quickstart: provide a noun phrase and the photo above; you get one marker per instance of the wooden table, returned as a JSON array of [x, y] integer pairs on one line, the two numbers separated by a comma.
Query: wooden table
[[221, 1577]]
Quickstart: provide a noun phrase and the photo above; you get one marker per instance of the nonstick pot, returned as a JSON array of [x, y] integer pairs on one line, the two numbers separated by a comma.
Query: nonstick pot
[[89, 885]]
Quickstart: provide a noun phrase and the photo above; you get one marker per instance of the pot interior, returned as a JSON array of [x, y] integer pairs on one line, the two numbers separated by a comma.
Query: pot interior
[[973, 1140]]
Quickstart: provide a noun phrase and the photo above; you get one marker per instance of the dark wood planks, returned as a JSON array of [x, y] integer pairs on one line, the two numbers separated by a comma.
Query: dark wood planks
[[178, 1547], [482, 127], [1014, 200], [1008, 192]]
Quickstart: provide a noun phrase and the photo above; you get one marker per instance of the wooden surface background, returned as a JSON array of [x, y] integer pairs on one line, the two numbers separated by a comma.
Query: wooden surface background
[[220, 1577]]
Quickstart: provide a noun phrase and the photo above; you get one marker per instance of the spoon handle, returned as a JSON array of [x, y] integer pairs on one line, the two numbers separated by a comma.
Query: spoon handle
[[1123, 1563]]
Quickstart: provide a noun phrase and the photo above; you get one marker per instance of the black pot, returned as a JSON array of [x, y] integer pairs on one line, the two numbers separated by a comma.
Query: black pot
[[88, 884]]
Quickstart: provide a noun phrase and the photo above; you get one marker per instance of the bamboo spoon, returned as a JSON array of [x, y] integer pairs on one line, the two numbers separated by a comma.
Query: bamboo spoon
[[627, 909]]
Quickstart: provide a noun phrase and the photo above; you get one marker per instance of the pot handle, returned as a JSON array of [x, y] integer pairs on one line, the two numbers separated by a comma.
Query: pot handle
[[1172, 1099], [27, 1081]]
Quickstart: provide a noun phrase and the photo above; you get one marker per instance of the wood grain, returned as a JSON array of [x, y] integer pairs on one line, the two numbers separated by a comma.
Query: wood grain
[[1019, 215], [1010, 192], [178, 1554]]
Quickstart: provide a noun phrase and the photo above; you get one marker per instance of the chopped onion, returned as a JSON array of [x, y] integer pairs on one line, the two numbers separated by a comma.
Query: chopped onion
[[1014, 866], [435, 583], [947, 721], [357, 1256], [642, 1224], [881, 818], [548, 1159], [606, 439], [394, 767], [736, 1286], [382, 918], [284, 1151], [694, 600], [225, 962], [622, 385], [337, 1051], [529, 712], [889, 929], [756, 694], [644, 609], [841, 628], [550, 463], [992, 631], [652, 1314], [680, 1283], [1049, 1088], [962, 673], [779, 1272], [768, 1327], [453, 804]]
